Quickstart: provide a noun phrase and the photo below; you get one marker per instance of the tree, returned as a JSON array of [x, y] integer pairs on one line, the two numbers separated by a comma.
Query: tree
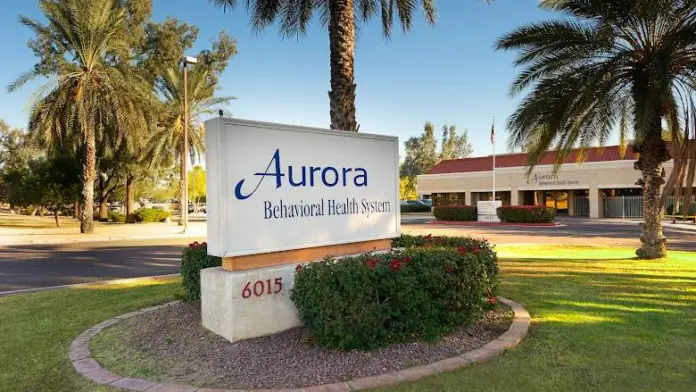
[[339, 16], [83, 46], [197, 184], [421, 153], [407, 188], [607, 64], [454, 146]]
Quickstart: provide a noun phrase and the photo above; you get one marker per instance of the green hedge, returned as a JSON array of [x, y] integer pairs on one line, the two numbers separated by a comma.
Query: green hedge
[[415, 208], [423, 291], [193, 259], [115, 216], [526, 214], [692, 209], [151, 215], [455, 213]]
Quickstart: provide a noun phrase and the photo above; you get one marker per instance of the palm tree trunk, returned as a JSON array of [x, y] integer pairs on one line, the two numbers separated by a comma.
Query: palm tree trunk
[[55, 215], [76, 209], [87, 217], [653, 153], [130, 198], [342, 46], [103, 200]]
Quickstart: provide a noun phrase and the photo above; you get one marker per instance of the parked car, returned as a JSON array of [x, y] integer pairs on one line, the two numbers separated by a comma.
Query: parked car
[[417, 202]]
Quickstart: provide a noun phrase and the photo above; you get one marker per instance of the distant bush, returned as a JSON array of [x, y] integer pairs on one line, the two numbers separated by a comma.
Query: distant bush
[[415, 208], [455, 213], [29, 210], [692, 209], [421, 292], [115, 216], [193, 259], [151, 215], [526, 214]]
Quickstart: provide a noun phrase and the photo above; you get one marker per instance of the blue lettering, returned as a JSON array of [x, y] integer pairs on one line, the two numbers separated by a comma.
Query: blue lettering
[[362, 175], [323, 176], [297, 177], [278, 174]]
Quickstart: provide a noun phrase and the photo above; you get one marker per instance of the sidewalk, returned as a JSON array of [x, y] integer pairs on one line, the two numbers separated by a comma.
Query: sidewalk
[[70, 233]]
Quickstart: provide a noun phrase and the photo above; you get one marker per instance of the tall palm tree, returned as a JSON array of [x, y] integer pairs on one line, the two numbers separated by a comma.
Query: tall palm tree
[[607, 65], [168, 139], [91, 94], [339, 16]]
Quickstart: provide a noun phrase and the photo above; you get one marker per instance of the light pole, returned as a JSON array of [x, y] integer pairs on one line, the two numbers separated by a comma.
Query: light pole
[[183, 204]]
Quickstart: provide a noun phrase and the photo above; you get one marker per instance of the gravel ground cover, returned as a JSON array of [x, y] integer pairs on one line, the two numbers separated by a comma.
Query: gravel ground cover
[[170, 345]]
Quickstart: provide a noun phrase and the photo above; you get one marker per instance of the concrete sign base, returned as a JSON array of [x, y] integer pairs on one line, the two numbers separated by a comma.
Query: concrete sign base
[[240, 305]]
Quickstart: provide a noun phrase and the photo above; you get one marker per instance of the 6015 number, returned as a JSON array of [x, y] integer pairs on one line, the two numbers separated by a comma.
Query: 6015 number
[[261, 287]]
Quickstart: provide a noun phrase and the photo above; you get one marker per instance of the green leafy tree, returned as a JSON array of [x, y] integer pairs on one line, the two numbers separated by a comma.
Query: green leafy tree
[[454, 146], [421, 153], [168, 138], [339, 16], [82, 45], [606, 65]]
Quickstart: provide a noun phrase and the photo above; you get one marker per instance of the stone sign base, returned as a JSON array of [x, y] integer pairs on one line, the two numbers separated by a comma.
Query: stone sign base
[[240, 305]]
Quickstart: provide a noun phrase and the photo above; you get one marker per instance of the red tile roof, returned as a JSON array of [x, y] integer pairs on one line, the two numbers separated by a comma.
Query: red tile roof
[[479, 164]]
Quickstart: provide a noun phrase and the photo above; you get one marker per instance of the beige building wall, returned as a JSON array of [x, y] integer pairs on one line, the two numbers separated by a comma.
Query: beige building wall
[[591, 176]]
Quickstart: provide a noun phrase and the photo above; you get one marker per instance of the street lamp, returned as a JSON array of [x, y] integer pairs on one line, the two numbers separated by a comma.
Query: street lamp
[[183, 204]]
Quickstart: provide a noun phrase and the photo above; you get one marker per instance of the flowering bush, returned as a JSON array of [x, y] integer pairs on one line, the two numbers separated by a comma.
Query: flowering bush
[[526, 214], [455, 213], [193, 259], [423, 291]]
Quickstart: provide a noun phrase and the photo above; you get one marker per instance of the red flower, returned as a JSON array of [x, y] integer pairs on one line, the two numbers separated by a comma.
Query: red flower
[[406, 259], [492, 300], [298, 267], [204, 244], [371, 263], [428, 237], [461, 250], [476, 249], [395, 264], [449, 269], [438, 239]]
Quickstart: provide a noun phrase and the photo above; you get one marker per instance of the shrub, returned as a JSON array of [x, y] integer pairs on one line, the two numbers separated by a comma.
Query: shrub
[[415, 208], [692, 209], [526, 214], [420, 292], [151, 215], [29, 210], [455, 213], [193, 259], [115, 216]]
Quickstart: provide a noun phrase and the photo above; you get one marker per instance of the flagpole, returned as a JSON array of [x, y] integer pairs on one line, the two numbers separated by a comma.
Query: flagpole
[[493, 142]]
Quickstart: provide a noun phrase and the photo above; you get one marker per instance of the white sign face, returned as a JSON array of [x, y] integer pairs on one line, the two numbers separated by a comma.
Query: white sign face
[[488, 207], [275, 187]]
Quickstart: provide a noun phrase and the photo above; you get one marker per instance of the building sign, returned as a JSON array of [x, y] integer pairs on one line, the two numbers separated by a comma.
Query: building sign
[[549, 179], [275, 187], [487, 211]]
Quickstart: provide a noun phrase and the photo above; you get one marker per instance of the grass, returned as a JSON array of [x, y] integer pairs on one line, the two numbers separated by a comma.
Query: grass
[[35, 222], [37, 329], [601, 320]]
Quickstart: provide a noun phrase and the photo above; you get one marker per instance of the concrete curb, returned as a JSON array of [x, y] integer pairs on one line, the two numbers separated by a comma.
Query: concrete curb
[[492, 224], [56, 240], [83, 362], [78, 285]]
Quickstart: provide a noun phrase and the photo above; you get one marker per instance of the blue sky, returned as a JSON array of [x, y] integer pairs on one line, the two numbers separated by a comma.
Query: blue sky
[[448, 73]]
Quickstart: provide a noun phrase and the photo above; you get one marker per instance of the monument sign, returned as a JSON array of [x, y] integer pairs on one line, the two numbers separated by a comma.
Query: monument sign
[[279, 195], [487, 211]]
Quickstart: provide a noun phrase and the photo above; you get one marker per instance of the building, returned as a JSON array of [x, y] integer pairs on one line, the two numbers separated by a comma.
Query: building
[[599, 183]]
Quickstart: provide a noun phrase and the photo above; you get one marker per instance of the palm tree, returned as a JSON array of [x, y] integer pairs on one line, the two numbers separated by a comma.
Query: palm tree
[[339, 16], [92, 94], [168, 139], [606, 65]]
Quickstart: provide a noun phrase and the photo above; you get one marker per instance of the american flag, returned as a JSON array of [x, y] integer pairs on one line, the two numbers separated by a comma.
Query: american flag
[[493, 133]]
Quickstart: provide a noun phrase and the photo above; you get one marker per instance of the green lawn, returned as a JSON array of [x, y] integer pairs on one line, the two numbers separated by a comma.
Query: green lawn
[[601, 321]]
